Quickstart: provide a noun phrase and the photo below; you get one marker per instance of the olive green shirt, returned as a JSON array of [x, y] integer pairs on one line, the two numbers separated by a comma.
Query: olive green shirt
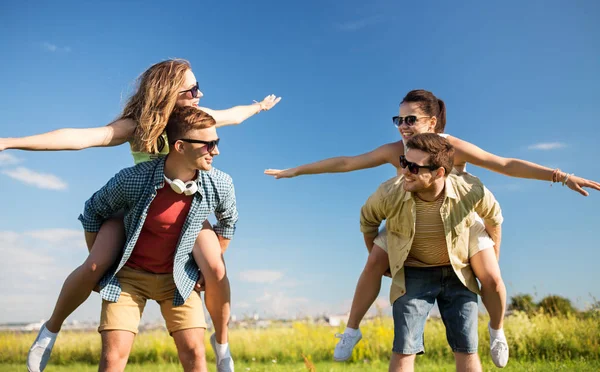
[[463, 195]]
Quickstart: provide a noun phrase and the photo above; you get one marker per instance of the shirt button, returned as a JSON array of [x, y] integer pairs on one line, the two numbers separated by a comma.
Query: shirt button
[[397, 266]]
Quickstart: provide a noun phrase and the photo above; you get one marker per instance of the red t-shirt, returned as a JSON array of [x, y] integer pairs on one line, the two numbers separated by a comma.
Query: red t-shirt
[[155, 248]]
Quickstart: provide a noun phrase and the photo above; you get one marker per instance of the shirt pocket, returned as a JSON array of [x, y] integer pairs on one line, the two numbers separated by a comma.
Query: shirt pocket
[[398, 245], [399, 231], [460, 238], [463, 225]]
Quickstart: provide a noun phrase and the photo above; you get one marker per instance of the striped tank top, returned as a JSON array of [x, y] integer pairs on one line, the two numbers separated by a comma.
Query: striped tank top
[[429, 248]]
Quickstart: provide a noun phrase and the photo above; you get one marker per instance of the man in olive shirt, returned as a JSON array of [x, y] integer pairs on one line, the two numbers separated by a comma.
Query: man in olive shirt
[[428, 213]]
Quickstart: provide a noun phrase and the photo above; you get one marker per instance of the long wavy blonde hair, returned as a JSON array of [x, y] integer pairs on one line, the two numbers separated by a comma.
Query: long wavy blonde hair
[[152, 103]]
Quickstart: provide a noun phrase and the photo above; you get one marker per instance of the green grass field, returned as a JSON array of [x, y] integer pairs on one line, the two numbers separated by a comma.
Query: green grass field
[[580, 366], [537, 343]]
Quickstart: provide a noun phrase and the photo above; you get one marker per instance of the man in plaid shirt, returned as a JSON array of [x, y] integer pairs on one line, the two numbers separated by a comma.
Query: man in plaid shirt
[[165, 202]]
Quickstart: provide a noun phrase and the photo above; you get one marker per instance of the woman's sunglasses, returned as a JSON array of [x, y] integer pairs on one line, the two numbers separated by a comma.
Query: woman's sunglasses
[[414, 167], [410, 120], [210, 145], [194, 91]]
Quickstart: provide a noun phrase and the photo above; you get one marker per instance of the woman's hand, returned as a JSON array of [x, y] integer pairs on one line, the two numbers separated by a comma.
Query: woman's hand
[[269, 102], [577, 183], [281, 173]]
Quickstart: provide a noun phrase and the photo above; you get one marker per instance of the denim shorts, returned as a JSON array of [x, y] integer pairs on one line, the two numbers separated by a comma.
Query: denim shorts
[[458, 308]]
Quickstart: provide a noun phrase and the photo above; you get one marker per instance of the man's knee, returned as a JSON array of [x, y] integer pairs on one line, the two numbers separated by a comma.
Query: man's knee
[[192, 350], [400, 362], [467, 362], [405, 357], [113, 359], [115, 353]]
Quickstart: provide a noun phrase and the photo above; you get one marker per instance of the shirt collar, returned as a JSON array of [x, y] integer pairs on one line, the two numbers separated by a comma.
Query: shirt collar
[[450, 191], [159, 172]]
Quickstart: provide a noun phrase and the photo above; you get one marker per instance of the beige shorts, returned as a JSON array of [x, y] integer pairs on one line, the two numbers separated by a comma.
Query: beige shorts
[[139, 286], [478, 238]]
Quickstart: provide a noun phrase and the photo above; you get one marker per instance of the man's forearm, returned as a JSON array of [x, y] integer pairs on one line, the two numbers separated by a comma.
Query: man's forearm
[[495, 232]]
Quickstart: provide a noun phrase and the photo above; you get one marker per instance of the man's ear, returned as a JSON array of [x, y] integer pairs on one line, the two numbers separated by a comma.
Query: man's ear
[[440, 172], [178, 146]]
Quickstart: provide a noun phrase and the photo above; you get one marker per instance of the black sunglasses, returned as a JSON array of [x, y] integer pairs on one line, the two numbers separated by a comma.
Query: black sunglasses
[[414, 167], [194, 91], [210, 145], [409, 120]]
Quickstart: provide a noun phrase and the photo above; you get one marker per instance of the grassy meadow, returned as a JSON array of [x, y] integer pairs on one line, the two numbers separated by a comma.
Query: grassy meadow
[[537, 342]]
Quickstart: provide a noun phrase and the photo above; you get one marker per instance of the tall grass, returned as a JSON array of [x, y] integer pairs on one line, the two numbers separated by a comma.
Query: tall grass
[[539, 337]]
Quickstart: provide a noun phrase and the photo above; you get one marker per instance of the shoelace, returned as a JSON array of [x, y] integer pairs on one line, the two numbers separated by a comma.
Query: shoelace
[[501, 343], [344, 337]]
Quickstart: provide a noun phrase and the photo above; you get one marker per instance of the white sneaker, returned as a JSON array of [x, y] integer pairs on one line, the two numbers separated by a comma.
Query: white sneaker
[[344, 347], [499, 350], [39, 353], [223, 364]]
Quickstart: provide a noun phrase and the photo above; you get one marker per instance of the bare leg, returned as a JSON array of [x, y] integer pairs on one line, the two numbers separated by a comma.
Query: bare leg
[[402, 363], [79, 284], [368, 286], [190, 347], [116, 346], [208, 257], [467, 362], [493, 292]]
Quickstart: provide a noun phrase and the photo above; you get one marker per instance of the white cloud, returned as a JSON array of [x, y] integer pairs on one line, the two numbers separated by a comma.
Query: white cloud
[[39, 180], [68, 238], [55, 48], [242, 305], [359, 24], [55, 235], [32, 271], [280, 304], [8, 237], [260, 276], [381, 304], [8, 159], [20, 259], [545, 146]]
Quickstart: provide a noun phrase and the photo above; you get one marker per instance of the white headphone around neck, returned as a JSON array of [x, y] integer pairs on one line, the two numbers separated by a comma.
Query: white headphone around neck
[[188, 188]]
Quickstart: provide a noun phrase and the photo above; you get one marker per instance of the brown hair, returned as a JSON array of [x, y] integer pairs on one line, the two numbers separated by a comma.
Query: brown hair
[[187, 118], [151, 105], [430, 104], [441, 152]]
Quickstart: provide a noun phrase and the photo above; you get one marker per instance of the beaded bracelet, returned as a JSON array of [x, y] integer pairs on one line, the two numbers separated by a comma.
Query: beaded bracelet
[[555, 176], [564, 182], [260, 106]]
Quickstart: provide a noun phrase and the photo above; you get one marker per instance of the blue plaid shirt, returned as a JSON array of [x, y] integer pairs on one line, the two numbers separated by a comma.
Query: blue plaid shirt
[[132, 190]]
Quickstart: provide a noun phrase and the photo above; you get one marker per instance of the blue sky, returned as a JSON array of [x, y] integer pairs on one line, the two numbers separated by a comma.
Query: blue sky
[[513, 75]]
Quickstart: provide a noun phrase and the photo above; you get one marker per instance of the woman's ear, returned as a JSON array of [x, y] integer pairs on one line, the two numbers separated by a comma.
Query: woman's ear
[[432, 124]]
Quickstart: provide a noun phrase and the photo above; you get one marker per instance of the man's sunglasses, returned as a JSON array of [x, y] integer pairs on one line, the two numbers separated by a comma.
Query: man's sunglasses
[[194, 91], [410, 120], [414, 167], [210, 145]]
